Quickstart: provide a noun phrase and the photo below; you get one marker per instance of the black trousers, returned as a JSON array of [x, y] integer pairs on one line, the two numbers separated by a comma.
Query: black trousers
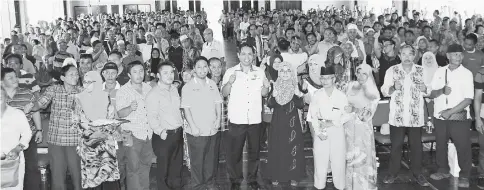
[[169, 159], [32, 173], [63, 159], [481, 154], [459, 132], [203, 153], [397, 136], [234, 142], [107, 185]]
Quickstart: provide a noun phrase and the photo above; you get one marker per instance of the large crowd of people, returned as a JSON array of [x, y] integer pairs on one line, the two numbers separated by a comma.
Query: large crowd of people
[[122, 91]]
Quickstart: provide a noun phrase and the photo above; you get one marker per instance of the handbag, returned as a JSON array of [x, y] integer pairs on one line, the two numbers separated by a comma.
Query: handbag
[[459, 116], [10, 172]]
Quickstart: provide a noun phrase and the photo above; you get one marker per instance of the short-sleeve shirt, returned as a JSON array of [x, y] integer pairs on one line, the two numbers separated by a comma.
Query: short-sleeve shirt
[[460, 80], [212, 49], [245, 101], [21, 98], [203, 112], [138, 124], [479, 84]]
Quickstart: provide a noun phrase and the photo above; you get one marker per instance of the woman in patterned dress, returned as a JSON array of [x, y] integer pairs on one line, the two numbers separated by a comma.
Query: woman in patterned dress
[[361, 164], [97, 147], [286, 152]]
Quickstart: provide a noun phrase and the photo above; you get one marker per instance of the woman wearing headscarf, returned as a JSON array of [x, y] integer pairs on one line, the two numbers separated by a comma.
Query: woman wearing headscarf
[[361, 164], [429, 64], [152, 65], [421, 45], [341, 67], [286, 158], [97, 146], [311, 81]]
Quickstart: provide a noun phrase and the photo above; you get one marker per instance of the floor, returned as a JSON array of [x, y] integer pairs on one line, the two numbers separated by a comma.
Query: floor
[[403, 183]]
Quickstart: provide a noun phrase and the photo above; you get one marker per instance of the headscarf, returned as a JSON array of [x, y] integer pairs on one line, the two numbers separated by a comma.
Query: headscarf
[[94, 103], [415, 44], [371, 90], [270, 71], [155, 61], [429, 67], [285, 88]]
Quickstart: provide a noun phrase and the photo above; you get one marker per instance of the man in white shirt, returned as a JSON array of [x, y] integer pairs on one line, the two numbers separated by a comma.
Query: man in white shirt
[[146, 48], [296, 57], [244, 28], [211, 47], [71, 47], [358, 44], [246, 84], [327, 43], [406, 113], [326, 116], [453, 91]]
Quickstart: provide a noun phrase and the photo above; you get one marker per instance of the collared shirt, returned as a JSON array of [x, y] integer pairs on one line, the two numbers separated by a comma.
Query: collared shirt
[[323, 48], [21, 98], [203, 112], [460, 80], [328, 107], [385, 63], [213, 49], [245, 101], [73, 50], [406, 105], [139, 118], [163, 106], [145, 50], [61, 129], [15, 130]]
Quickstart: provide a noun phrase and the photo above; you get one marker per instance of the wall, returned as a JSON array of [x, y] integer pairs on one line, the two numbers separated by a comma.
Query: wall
[[72, 4], [309, 4], [7, 17]]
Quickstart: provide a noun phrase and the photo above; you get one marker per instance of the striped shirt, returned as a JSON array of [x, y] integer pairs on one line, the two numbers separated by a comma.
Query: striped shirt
[[19, 100], [61, 130]]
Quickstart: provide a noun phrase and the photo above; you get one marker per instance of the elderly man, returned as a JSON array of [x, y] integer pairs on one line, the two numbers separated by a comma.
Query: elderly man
[[453, 91], [406, 113], [211, 47], [352, 33]]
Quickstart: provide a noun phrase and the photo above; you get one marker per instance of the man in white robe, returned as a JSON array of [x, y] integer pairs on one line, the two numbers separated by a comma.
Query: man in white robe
[[326, 117]]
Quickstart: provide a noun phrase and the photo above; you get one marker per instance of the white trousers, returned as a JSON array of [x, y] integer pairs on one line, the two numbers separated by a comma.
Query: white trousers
[[21, 173], [330, 151]]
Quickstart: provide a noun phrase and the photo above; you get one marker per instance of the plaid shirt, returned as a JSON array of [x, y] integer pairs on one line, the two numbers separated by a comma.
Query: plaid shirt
[[61, 129], [21, 98]]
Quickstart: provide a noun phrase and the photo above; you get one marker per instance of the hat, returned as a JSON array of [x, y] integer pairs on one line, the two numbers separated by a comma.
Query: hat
[[109, 65], [327, 71], [370, 30], [455, 48], [69, 61], [352, 26], [183, 37], [149, 33], [93, 39]]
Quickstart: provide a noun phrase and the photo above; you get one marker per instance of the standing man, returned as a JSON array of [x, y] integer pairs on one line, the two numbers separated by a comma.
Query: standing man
[[406, 113], [164, 116], [23, 99], [246, 84], [130, 103], [473, 59], [453, 91], [387, 57], [326, 116], [479, 115], [211, 47], [204, 119]]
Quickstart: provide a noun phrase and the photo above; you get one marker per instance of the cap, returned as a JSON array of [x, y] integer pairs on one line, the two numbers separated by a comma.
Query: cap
[[149, 33], [352, 26], [455, 48], [183, 37], [109, 65], [327, 71], [69, 61]]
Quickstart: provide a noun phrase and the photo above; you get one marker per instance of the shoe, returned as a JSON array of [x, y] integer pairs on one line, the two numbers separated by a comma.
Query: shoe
[[294, 183], [275, 183], [389, 179], [235, 186], [439, 176], [421, 180], [463, 182], [480, 182], [254, 186]]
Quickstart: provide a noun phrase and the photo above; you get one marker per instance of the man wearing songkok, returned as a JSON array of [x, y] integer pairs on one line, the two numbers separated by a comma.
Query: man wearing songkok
[[326, 116]]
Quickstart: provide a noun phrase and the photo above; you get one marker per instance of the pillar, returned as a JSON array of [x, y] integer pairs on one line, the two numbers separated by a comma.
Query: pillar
[[273, 4]]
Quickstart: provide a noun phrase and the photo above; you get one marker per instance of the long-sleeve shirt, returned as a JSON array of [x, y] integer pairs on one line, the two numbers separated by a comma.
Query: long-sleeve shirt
[[138, 118], [15, 130], [163, 106], [328, 107], [61, 130], [406, 105]]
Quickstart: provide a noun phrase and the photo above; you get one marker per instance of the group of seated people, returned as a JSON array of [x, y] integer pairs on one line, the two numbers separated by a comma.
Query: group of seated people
[[117, 96]]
